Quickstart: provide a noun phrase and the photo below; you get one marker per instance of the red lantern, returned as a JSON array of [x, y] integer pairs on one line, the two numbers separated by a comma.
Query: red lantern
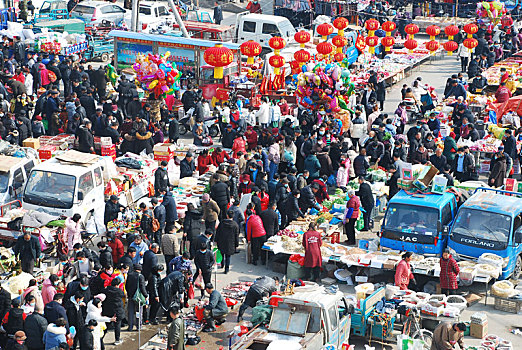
[[324, 30], [371, 25], [302, 37], [410, 44], [339, 56], [340, 23], [470, 29], [450, 46], [339, 42], [324, 48], [433, 31], [432, 46], [277, 62], [451, 31], [372, 41], [277, 43], [250, 49], [218, 57], [387, 42], [388, 26], [470, 43], [411, 29], [302, 56]]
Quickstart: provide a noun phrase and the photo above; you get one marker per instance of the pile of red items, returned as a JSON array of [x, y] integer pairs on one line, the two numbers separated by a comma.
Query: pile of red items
[[289, 233], [297, 258]]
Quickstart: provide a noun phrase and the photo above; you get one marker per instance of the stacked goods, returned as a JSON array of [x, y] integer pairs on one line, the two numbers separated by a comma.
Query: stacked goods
[[478, 325], [163, 152]]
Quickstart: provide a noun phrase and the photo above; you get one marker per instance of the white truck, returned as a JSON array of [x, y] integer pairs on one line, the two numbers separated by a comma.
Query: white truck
[[61, 187], [14, 172], [152, 15], [310, 319], [261, 28]]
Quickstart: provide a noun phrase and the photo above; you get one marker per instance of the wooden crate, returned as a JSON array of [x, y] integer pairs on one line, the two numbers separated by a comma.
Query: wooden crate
[[508, 305]]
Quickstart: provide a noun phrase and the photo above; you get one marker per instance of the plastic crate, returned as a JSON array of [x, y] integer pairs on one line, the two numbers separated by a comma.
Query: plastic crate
[[508, 305], [358, 324]]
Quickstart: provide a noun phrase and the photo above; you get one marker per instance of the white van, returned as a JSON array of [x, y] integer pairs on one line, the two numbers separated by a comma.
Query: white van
[[65, 189], [14, 172], [261, 28]]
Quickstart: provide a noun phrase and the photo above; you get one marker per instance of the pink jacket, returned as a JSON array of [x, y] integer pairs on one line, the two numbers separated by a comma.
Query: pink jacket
[[72, 232], [33, 290], [48, 291], [403, 274], [44, 75], [343, 174]]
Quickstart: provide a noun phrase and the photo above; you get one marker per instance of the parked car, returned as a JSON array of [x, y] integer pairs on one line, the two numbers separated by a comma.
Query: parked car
[[151, 16], [94, 12]]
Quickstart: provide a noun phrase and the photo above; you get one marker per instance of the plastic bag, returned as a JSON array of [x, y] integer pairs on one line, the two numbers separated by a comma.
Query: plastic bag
[[198, 283], [190, 293], [90, 227]]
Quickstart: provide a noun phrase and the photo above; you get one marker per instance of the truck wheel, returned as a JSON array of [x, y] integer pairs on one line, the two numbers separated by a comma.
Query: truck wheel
[[518, 268], [182, 129], [105, 57]]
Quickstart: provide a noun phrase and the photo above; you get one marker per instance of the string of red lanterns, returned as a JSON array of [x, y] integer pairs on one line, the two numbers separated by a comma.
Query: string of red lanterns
[[371, 26], [277, 61], [450, 45], [432, 45], [388, 41]]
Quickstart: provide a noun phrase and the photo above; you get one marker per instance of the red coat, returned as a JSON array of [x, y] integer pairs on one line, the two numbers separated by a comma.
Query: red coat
[[117, 250], [265, 199], [255, 227], [449, 270], [218, 158], [239, 145], [403, 274], [203, 164], [322, 194], [251, 138], [312, 244]]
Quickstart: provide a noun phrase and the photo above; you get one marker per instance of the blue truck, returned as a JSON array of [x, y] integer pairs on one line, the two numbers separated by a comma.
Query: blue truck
[[490, 221], [418, 222]]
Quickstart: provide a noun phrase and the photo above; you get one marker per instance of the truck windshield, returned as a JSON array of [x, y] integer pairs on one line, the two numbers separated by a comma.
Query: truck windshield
[[408, 219], [481, 228], [4, 181], [145, 10], [49, 189]]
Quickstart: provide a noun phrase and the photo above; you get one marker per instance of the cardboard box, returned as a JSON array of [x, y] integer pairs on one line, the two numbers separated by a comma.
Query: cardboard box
[[46, 152], [478, 331], [511, 185], [405, 184], [439, 184], [161, 157], [108, 150], [32, 142], [163, 149], [428, 175], [407, 171]]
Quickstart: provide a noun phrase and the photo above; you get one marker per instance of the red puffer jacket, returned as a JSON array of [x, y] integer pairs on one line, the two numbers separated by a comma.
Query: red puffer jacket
[[449, 270], [255, 227]]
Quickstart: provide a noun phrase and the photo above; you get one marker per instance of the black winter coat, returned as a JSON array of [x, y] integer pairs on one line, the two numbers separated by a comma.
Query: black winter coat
[[192, 225], [186, 169], [5, 302], [152, 285], [106, 257], [204, 261], [170, 289], [227, 236], [35, 327], [131, 286], [173, 130], [86, 339], [111, 211], [113, 303], [171, 211], [366, 196], [143, 142], [75, 316], [53, 311], [160, 213], [161, 181], [360, 165], [23, 248], [292, 209], [220, 193], [150, 259], [270, 221], [307, 199]]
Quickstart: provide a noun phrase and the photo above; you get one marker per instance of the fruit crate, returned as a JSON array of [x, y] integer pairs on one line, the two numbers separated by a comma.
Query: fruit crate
[[508, 305]]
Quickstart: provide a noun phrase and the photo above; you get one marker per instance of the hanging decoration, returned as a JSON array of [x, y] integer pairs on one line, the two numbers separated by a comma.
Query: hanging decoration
[[324, 30], [339, 42], [470, 43], [388, 41], [432, 45], [339, 56], [371, 26], [277, 61], [360, 43], [451, 31], [470, 29], [411, 29], [302, 37], [340, 23], [156, 75], [302, 56], [324, 48], [250, 49]]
